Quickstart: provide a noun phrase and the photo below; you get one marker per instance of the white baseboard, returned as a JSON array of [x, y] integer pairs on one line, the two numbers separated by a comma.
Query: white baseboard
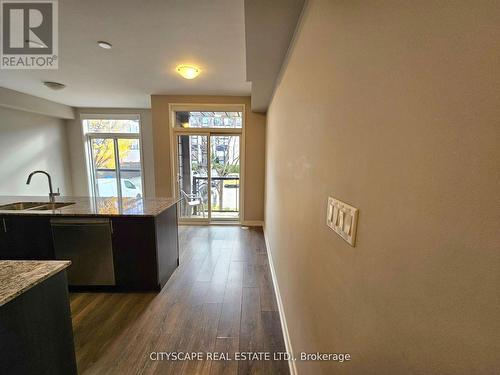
[[247, 223], [284, 327], [252, 223]]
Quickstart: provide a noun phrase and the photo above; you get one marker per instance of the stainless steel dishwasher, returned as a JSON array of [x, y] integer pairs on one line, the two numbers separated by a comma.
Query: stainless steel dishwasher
[[87, 243]]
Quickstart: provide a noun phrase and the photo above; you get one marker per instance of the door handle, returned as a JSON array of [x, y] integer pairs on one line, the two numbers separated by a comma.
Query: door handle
[[4, 225]]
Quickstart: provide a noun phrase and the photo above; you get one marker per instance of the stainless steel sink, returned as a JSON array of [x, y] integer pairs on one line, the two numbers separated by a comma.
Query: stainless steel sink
[[34, 206], [19, 206], [51, 206]]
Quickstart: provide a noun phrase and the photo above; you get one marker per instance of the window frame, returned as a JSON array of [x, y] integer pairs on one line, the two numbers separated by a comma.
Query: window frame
[[205, 120], [88, 136]]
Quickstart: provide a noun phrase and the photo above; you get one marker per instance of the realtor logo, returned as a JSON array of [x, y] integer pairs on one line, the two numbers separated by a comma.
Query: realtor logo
[[29, 34]]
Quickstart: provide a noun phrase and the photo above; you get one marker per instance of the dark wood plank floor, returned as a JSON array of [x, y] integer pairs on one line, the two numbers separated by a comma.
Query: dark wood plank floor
[[220, 299]]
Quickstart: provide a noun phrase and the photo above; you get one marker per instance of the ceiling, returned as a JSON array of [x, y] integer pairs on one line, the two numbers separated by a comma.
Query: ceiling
[[149, 38], [269, 29]]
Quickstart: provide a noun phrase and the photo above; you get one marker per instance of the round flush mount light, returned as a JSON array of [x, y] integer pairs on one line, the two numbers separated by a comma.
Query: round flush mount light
[[188, 71], [54, 85], [103, 44]]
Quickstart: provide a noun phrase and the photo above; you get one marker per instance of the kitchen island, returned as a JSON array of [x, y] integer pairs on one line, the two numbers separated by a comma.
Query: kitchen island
[[114, 244], [36, 334]]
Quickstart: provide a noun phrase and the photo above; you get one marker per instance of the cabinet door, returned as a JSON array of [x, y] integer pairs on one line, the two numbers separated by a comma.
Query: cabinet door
[[26, 237], [5, 250], [134, 253]]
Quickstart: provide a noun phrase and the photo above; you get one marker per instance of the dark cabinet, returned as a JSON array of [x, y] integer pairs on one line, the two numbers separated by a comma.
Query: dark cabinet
[[144, 248], [36, 336], [134, 253], [25, 237], [5, 250]]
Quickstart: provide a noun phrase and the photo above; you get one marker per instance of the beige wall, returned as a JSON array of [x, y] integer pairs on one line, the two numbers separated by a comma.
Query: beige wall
[[254, 148], [78, 161], [393, 107], [29, 142]]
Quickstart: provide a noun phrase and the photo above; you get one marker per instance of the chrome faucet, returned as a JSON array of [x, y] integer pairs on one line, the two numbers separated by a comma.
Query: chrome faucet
[[52, 195]]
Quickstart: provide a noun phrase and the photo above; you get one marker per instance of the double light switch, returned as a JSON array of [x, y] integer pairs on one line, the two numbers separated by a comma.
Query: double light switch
[[342, 218]]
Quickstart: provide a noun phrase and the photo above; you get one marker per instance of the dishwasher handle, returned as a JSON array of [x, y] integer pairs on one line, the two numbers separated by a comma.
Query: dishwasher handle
[[77, 221], [61, 222]]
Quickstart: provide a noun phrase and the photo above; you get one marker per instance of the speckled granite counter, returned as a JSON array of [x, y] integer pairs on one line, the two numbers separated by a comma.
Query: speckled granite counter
[[36, 334], [91, 206], [18, 276]]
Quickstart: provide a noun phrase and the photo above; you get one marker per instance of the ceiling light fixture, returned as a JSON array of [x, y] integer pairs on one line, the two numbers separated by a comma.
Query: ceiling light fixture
[[54, 85], [104, 44], [188, 71]]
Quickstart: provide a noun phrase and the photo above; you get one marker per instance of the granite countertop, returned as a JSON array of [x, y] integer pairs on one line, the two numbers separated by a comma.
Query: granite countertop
[[92, 206], [18, 276]]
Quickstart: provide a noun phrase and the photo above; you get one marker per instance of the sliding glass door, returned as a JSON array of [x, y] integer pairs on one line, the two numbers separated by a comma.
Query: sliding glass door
[[207, 169], [208, 177], [192, 176], [225, 176]]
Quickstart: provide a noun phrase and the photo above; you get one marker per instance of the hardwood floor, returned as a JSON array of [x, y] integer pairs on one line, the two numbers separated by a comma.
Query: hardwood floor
[[220, 299]]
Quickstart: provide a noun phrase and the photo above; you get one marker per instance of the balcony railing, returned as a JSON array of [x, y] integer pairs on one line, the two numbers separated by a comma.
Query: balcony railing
[[225, 192]]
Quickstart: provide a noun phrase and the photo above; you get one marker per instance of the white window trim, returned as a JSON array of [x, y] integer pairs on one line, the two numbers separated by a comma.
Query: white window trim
[[87, 136]]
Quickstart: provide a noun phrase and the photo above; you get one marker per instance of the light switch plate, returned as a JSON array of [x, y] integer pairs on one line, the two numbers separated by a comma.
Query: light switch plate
[[342, 219]]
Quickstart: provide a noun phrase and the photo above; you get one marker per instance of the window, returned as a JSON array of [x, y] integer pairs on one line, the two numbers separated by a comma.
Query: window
[[114, 155], [127, 126], [193, 119]]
